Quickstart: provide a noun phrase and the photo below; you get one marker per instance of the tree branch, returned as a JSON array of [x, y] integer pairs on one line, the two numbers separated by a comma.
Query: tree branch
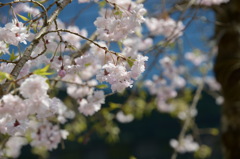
[[27, 53]]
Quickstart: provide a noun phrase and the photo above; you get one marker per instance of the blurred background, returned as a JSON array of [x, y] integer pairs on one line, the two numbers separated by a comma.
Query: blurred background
[[148, 136]]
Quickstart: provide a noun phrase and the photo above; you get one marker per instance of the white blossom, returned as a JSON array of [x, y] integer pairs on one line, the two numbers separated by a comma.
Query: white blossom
[[13, 115], [116, 27], [195, 58], [22, 7], [79, 91], [183, 115], [92, 104], [41, 107], [138, 66], [219, 100], [74, 39], [212, 83], [47, 135], [185, 145], [3, 47], [167, 27], [117, 76], [34, 87], [124, 118], [61, 111], [14, 145], [14, 32]]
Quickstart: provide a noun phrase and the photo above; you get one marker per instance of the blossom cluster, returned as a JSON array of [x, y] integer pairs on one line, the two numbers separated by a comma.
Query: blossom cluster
[[185, 145], [30, 109], [115, 25], [28, 112], [118, 77], [166, 89], [166, 27], [61, 56], [13, 33]]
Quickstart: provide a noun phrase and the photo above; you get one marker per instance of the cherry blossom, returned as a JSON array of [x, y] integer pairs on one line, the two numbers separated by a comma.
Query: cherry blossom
[[61, 111], [73, 39], [14, 32], [185, 145], [117, 76], [195, 58], [48, 136], [34, 86], [23, 7], [113, 27], [3, 47], [124, 118], [30, 111], [14, 145], [92, 104], [14, 114], [166, 88], [167, 27], [138, 67]]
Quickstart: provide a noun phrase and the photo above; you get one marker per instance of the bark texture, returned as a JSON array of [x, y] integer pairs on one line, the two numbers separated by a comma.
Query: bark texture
[[227, 71]]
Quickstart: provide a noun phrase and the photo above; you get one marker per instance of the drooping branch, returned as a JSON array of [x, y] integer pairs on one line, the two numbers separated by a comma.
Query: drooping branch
[[27, 53], [189, 118], [44, 12], [89, 40]]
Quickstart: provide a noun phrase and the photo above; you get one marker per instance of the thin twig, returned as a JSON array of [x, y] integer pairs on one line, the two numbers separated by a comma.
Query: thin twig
[[27, 53], [188, 120]]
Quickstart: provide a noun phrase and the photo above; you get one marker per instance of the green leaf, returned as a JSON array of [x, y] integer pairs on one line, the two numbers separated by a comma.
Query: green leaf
[[118, 12], [130, 62], [43, 71], [171, 45], [101, 86], [23, 18], [214, 131], [203, 152], [72, 47], [114, 105], [13, 57], [35, 28], [29, 16], [120, 45], [132, 157], [87, 64], [4, 75], [102, 4]]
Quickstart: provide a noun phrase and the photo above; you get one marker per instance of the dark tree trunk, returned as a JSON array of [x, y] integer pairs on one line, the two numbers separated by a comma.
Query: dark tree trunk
[[227, 71]]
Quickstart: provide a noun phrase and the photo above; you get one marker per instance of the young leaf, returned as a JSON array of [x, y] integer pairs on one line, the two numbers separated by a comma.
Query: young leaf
[[87, 64], [4, 75], [120, 45], [13, 57], [118, 12], [29, 16], [101, 86], [130, 62], [23, 18], [132, 157], [114, 106], [102, 4], [43, 71]]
